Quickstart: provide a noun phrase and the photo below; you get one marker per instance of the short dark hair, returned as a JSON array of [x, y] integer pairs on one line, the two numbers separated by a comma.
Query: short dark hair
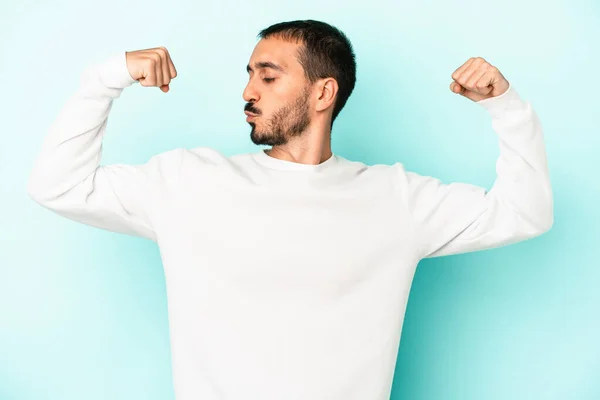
[[326, 52]]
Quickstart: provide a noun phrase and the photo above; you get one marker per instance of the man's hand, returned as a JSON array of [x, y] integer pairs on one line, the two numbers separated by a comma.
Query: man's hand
[[151, 67], [477, 80]]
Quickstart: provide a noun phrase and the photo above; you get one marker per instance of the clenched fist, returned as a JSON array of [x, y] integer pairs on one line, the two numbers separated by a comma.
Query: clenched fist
[[477, 80], [151, 67]]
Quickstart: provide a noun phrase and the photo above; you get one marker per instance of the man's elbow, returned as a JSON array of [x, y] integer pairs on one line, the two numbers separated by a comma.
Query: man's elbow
[[547, 224], [34, 190], [38, 192], [544, 222]]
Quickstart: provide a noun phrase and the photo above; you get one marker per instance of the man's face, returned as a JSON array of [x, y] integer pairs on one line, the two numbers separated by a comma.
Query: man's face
[[277, 93]]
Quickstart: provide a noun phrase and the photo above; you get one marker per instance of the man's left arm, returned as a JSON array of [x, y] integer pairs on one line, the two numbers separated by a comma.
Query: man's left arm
[[458, 217]]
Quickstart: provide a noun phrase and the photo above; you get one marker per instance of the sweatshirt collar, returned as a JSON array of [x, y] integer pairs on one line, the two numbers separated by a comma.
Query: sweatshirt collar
[[283, 165]]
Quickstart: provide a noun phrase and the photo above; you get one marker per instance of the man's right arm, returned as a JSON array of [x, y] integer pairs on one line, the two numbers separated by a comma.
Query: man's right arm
[[67, 177]]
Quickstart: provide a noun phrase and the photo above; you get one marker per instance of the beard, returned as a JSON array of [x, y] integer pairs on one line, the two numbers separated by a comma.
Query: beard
[[289, 121]]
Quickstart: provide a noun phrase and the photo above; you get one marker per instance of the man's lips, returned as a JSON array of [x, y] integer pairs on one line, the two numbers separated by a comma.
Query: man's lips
[[249, 115]]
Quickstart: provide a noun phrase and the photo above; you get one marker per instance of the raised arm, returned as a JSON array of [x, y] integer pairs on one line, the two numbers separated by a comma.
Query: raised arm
[[457, 217], [67, 177]]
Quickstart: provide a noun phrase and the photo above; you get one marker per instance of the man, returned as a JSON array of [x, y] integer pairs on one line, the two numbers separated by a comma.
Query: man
[[288, 270]]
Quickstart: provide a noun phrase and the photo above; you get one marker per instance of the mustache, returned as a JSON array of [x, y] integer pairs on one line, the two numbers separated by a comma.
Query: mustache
[[251, 109]]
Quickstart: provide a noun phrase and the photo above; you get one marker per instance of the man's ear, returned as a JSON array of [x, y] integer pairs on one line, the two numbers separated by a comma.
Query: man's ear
[[326, 93]]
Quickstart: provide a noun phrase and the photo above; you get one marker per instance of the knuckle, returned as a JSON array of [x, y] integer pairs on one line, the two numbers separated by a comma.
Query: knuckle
[[155, 56]]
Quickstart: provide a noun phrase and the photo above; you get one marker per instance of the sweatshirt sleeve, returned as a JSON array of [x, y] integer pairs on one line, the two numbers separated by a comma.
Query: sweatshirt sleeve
[[459, 217], [67, 177]]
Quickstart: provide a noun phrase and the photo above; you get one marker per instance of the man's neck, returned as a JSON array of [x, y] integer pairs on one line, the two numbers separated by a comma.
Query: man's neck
[[312, 155]]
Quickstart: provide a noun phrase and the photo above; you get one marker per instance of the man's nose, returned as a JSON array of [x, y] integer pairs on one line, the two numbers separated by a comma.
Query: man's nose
[[250, 95]]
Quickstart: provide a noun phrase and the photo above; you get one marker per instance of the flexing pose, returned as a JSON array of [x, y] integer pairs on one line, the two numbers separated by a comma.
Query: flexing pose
[[288, 269]]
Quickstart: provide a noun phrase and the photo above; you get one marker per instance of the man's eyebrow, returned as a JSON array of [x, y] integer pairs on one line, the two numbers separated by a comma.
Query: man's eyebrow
[[264, 64]]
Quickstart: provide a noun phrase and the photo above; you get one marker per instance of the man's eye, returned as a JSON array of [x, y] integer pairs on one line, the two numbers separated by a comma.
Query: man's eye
[[268, 80]]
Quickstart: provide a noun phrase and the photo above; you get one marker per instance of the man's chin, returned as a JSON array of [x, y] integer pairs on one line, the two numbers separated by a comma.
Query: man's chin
[[261, 140], [267, 139], [257, 137]]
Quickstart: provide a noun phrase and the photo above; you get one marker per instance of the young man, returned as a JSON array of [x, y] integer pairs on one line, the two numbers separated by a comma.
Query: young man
[[288, 270]]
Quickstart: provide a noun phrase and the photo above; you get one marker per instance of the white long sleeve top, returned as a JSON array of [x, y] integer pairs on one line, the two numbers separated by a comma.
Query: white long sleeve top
[[285, 280]]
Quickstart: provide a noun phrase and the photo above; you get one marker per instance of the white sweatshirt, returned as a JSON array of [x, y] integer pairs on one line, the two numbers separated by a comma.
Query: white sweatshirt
[[287, 281]]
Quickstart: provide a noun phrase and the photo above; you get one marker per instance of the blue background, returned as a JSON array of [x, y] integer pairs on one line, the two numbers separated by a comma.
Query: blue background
[[83, 311]]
